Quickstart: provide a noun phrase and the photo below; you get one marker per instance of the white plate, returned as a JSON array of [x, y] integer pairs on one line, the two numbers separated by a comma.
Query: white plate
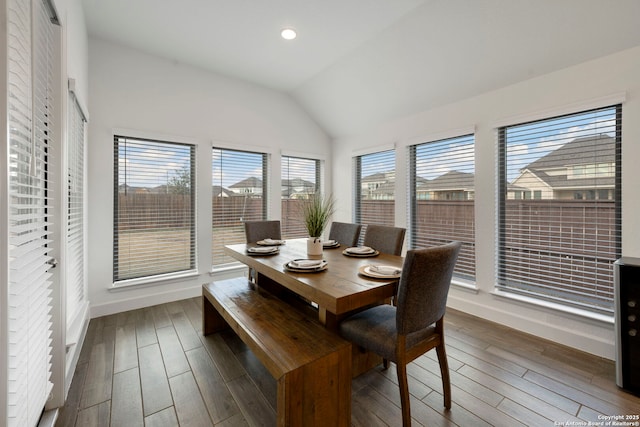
[[267, 250], [312, 269], [330, 244], [270, 242], [366, 270], [347, 252]]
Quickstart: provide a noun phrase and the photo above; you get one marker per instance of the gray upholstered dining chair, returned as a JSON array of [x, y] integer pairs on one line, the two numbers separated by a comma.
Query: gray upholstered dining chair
[[403, 333], [345, 233], [385, 239], [260, 230]]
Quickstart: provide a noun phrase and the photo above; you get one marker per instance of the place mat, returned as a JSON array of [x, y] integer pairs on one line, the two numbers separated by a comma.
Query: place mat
[[263, 250], [359, 252], [270, 242], [306, 265], [383, 271]]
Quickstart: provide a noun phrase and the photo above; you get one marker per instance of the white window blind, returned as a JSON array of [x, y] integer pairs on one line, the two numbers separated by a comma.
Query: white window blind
[[239, 180], [374, 189], [300, 179], [75, 262], [442, 176], [30, 120], [154, 208], [559, 208]]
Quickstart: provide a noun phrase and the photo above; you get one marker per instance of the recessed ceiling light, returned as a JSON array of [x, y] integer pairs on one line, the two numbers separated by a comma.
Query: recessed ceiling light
[[288, 33]]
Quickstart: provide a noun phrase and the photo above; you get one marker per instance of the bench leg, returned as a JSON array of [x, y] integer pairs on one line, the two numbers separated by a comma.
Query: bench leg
[[318, 394], [212, 322]]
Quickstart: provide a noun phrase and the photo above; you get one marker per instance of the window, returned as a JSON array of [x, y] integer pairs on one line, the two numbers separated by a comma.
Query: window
[[239, 181], [154, 208], [374, 187], [75, 268], [560, 246], [300, 179], [442, 198]]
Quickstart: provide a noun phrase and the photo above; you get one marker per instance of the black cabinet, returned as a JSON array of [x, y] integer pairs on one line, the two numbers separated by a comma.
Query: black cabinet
[[627, 316]]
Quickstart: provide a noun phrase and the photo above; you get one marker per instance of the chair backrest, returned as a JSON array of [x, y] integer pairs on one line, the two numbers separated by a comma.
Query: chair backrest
[[424, 286], [260, 230], [345, 233], [385, 239]]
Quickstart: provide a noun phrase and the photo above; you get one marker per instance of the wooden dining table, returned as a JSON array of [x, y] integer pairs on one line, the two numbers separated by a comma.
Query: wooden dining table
[[338, 291]]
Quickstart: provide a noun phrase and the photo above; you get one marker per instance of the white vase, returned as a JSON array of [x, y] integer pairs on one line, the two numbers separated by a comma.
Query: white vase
[[314, 246]]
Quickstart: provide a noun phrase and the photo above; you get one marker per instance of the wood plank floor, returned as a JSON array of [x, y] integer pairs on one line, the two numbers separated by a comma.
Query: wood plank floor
[[153, 367]]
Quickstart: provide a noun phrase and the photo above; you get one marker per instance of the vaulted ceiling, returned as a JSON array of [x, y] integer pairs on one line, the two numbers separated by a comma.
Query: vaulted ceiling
[[359, 62]]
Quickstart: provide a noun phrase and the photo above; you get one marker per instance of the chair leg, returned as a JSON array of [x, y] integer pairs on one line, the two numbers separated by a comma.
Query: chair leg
[[385, 363], [401, 369], [444, 373]]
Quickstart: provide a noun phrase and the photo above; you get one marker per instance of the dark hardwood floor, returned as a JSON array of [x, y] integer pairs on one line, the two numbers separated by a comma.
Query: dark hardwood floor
[[153, 367]]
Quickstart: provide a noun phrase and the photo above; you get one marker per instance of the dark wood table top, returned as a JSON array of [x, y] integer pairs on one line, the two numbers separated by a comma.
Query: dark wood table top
[[337, 290]]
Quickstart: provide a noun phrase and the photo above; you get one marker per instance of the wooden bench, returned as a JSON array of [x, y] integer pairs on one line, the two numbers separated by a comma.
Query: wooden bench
[[312, 365]]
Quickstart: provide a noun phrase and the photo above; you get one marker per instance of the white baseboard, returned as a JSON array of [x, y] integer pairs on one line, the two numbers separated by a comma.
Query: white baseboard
[[147, 300], [543, 325], [153, 297]]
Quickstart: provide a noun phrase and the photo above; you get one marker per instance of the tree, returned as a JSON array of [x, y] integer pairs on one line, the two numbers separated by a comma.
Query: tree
[[180, 182]]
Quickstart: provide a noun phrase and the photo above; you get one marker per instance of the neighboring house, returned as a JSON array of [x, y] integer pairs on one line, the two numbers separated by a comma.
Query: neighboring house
[[128, 189], [453, 185], [160, 189], [572, 172], [379, 186], [251, 185], [218, 191], [297, 188]]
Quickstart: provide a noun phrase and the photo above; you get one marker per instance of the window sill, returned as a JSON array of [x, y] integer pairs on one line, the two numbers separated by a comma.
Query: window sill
[[232, 267], [604, 318], [152, 280], [465, 285]]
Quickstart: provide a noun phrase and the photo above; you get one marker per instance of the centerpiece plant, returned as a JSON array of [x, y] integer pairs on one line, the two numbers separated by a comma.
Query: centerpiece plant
[[317, 212]]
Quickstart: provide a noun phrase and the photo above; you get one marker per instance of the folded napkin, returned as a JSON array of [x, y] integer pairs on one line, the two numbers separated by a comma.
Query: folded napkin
[[329, 242], [385, 270], [262, 250], [306, 263], [273, 241], [360, 250]]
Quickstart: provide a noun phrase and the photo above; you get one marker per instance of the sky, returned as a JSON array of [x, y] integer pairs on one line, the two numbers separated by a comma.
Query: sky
[[151, 164]]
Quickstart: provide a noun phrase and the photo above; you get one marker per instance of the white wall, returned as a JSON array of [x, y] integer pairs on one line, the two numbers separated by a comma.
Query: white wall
[[559, 92], [77, 44], [148, 95]]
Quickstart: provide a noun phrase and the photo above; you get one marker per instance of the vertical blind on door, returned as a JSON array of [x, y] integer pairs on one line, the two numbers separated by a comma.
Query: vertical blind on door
[[75, 247], [239, 183], [154, 208], [442, 185], [30, 119], [559, 208], [374, 188], [300, 180]]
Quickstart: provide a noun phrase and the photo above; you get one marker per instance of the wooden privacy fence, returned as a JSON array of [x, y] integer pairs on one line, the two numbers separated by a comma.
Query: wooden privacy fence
[[148, 210], [572, 240]]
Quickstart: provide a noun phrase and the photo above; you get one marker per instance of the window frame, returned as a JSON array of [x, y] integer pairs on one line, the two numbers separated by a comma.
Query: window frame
[[562, 304], [193, 238], [265, 199], [357, 188], [318, 172], [467, 138]]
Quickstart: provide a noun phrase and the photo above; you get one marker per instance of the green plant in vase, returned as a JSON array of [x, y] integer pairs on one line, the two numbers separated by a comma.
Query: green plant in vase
[[317, 212]]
